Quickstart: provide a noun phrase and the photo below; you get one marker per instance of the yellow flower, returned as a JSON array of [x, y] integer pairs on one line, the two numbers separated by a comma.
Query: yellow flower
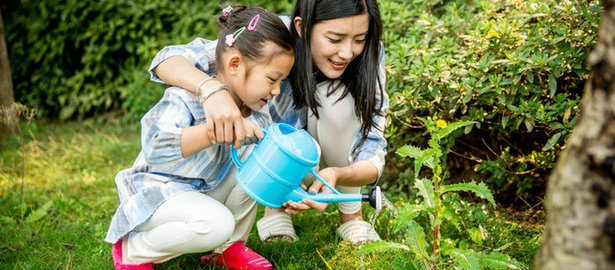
[[441, 123]]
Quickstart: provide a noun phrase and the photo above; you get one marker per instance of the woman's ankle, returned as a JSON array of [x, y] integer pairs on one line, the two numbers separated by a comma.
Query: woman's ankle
[[349, 217], [272, 211]]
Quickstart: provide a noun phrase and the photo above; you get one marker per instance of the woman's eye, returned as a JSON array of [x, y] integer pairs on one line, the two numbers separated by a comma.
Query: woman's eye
[[334, 40], [360, 41], [271, 80]]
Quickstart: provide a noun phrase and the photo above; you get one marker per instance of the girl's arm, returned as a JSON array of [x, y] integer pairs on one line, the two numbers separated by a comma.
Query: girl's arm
[[168, 133], [193, 141], [186, 66]]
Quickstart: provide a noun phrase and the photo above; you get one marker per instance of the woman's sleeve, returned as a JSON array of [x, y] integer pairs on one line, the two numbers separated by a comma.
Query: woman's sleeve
[[373, 148], [161, 129], [200, 52]]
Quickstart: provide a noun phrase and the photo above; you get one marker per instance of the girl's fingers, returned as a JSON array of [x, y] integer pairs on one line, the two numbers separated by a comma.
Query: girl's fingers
[[228, 133], [240, 132], [211, 132], [219, 132]]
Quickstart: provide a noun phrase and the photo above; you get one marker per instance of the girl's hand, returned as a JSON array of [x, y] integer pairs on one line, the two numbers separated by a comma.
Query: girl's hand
[[224, 119], [252, 132]]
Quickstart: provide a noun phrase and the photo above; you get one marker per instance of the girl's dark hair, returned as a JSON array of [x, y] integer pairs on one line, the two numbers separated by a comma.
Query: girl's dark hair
[[250, 43], [361, 75]]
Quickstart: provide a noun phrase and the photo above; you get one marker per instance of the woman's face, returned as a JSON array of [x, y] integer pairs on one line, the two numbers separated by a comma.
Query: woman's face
[[336, 42]]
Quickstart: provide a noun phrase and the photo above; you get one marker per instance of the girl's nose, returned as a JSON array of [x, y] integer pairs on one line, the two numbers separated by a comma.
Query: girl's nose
[[276, 90]]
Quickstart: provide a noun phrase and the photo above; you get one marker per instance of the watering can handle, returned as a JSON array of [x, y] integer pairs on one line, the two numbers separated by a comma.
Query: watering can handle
[[324, 182], [234, 156]]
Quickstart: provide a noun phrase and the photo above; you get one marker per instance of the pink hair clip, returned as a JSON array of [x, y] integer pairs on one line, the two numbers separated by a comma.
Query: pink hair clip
[[230, 38], [253, 22], [226, 11]]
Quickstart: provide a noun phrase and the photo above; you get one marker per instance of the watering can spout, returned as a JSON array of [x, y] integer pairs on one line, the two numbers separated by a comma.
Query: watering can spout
[[374, 197]]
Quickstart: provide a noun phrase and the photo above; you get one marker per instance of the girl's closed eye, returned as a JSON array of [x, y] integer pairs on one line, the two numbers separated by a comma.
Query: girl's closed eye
[[333, 40]]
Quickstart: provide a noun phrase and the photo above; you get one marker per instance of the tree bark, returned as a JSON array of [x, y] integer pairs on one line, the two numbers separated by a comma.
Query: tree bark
[[6, 82], [580, 226]]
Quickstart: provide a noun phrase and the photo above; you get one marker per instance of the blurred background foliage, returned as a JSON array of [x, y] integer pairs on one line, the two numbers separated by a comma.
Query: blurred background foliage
[[515, 67]]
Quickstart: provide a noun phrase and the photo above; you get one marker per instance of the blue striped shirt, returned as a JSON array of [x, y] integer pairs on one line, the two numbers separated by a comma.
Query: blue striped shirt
[[160, 171]]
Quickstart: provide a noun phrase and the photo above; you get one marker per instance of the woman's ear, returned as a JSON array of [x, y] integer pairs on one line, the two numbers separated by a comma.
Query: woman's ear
[[297, 24]]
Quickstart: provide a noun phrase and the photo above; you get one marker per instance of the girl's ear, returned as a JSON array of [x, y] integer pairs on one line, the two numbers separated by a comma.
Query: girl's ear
[[234, 64], [297, 24]]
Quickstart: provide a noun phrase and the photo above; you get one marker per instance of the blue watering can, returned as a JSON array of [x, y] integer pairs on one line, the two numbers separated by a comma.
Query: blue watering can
[[273, 172]]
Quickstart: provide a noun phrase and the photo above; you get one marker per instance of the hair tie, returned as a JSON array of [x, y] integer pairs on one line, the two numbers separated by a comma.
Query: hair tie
[[253, 22], [226, 11]]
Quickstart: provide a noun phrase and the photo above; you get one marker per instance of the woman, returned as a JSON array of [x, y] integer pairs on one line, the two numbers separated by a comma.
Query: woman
[[335, 90]]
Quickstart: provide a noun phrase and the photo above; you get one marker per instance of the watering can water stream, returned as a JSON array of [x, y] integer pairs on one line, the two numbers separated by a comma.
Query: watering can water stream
[[273, 172]]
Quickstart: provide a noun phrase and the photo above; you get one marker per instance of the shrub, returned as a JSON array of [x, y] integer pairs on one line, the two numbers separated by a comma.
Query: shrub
[[517, 68], [81, 58]]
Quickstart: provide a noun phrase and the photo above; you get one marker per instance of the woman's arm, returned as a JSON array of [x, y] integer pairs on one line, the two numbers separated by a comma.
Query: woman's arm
[[179, 65]]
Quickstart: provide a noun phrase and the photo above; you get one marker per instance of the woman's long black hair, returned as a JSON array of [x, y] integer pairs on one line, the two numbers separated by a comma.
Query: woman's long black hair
[[361, 75]]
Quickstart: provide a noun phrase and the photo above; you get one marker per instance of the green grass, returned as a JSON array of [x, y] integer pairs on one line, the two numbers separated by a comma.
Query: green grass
[[60, 218]]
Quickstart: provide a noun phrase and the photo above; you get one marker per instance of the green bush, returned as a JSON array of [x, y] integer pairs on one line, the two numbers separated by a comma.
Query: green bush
[[515, 67], [81, 58]]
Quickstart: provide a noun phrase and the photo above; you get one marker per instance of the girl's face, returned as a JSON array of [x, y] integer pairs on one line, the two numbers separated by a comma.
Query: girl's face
[[264, 79], [335, 43]]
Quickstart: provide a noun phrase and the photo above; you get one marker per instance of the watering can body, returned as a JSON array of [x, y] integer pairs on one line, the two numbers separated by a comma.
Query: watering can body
[[273, 172]]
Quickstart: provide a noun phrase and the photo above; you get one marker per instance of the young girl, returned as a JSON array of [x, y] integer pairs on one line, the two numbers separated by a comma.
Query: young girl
[[181, 196], [336, 89]]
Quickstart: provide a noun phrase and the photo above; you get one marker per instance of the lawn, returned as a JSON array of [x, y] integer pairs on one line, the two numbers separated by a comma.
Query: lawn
[[56, 209]]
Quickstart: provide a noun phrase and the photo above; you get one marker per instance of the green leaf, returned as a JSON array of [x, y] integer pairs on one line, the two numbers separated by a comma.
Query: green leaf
[[495, 260], [465, 258], [476, 235], [481, 190], [409, 151], [39, 213], [425, 187], [381, 246], [426, 157], [404, 263], [452, 127], [405, 215], [416, 239], [552, 85], [552, 141]]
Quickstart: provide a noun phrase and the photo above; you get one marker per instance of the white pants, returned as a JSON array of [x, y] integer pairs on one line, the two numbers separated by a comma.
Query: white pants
[[193, 222], [335, 131]]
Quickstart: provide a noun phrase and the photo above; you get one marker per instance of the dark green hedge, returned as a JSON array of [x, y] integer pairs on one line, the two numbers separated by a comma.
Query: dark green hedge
[[81, 58], [516, 67]]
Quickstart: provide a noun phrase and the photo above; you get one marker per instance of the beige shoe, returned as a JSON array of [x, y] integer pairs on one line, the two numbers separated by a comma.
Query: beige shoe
[[358, 231], [277, 227]]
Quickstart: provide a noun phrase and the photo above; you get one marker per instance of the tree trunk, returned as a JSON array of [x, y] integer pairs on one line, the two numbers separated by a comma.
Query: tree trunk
[[6, 83], [580, 227]]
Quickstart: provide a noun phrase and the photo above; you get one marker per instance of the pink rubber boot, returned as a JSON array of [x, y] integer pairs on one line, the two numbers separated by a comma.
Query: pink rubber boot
[[116, 251], [238, 257]]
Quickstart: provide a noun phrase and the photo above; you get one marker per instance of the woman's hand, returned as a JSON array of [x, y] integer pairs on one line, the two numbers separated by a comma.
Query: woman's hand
[[331, 175], [328, 174], [225, 124], [294, 208]]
